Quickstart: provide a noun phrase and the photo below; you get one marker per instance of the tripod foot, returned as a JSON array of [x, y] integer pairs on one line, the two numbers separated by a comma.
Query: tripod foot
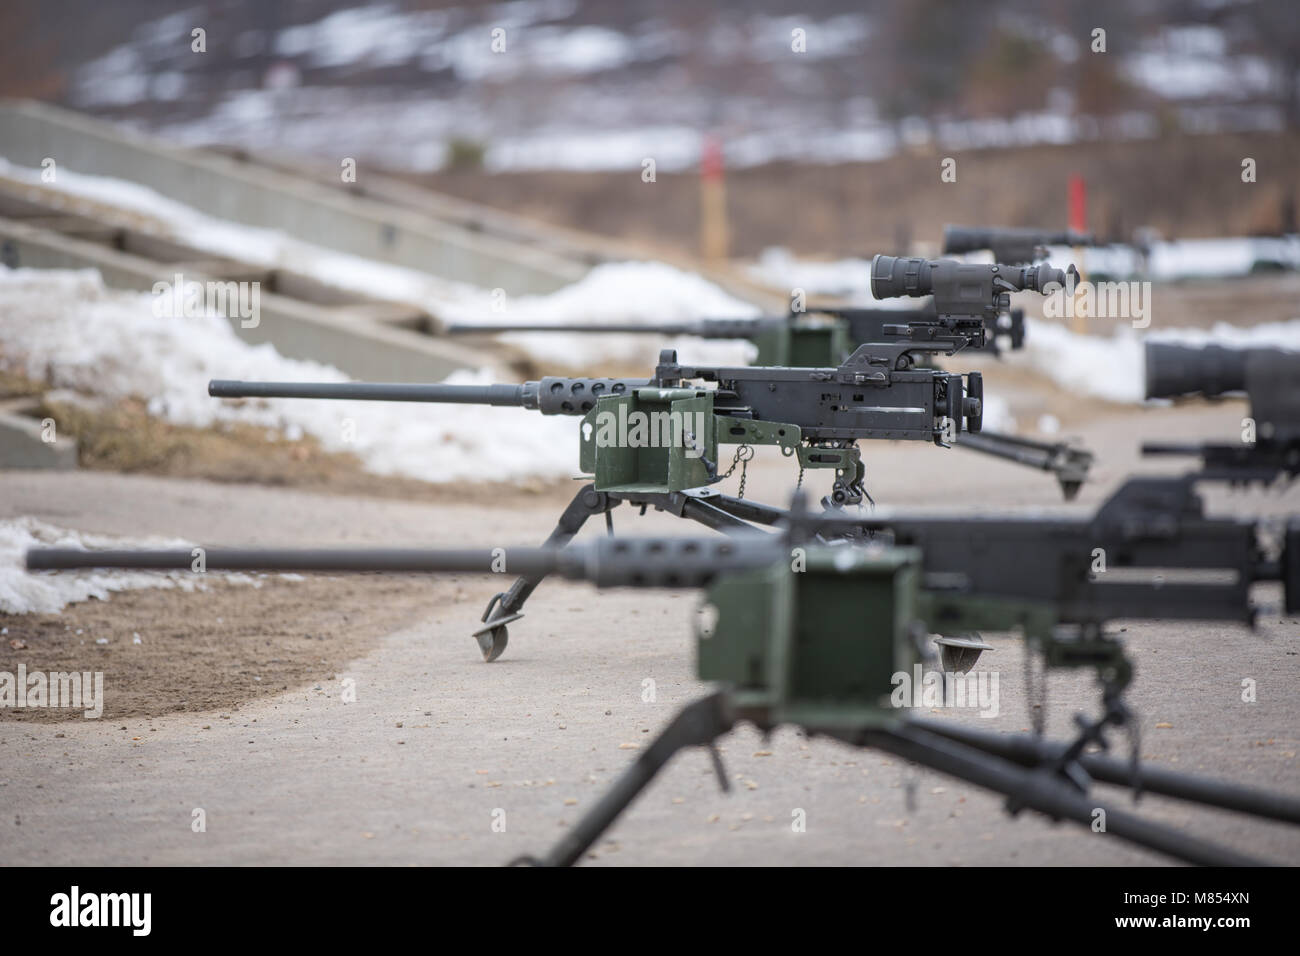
[[493, 636]]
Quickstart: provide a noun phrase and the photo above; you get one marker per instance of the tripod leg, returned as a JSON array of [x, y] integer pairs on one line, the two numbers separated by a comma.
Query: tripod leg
[[696, 725], [713, 517], [505, 607], [1042, 791], [1031, 751]]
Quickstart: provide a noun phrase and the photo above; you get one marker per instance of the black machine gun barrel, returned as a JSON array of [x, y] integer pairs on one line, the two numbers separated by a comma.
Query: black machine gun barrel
[[862, 324], [667, 562], [878, 392], [550, 395], [712, 328], [1009, 245]]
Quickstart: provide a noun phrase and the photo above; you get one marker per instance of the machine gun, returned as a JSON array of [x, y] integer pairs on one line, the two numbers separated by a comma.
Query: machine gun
[[1269, 449], [650, 442], [969, 311], [1270, 439], [969, 303], [803, 632], [1100, 568], [1009, 245], [821, 335]]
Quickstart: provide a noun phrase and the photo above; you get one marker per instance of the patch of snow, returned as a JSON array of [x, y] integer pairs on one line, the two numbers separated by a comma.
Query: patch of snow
[[1114, 368], [67, 329], [1221, 257], [845, 278], [1192, 61], [24, 592], [640, 293]]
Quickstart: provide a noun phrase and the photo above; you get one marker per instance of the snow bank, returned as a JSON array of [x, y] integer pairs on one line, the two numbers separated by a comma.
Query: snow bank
[[1169, 261], [847, 278], [66, 328], [22, 592], [642, 293]]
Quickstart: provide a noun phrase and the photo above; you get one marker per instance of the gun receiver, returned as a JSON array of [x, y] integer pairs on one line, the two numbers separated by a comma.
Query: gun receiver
[[878, 392], [1017, 246], [1149, 551], [1269, 445]]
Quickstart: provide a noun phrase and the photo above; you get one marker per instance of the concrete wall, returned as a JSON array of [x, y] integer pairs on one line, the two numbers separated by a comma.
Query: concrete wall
[[354, 342], [260, 196]]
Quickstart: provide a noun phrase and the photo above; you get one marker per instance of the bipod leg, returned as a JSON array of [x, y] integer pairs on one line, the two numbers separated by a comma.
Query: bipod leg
[[697, 724], [704, 509], [1069, 464], [748, 510], [713, 517], [505, 607]]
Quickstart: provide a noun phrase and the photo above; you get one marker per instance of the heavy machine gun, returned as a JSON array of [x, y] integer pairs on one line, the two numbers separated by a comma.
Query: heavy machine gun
[[1009, 245], [801, 628], [821, 335], [969, 311], [648, 442], [653, 442], [970, 308]]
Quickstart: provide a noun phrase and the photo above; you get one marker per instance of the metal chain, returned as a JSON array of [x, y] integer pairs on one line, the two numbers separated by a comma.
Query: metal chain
[[743, 454], [1135, 748], [1038, 715]]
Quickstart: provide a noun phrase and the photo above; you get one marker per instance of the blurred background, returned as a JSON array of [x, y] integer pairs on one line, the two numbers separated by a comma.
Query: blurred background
[[377, 171], [832, 150]]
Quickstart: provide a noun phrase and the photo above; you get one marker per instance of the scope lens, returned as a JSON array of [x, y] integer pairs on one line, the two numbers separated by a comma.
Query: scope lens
[[894, 276], [1183, 370]]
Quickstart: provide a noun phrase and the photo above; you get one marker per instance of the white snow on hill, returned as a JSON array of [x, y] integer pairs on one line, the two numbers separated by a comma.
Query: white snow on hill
[[67, 329], [630, 292]]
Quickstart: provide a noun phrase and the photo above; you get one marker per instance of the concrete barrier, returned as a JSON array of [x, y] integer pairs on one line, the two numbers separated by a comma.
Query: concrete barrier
[[349, 338], [261, 196], [25, 441]]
